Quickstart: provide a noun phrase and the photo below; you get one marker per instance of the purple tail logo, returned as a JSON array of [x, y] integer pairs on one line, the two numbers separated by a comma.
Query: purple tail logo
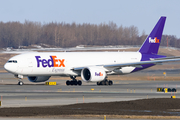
[[155, 40]]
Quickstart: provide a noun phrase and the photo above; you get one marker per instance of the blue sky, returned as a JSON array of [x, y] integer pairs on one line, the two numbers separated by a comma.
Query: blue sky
[[141, 13]]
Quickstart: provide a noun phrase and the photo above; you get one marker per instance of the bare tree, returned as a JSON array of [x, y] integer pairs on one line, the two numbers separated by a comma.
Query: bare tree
[[15, 34]]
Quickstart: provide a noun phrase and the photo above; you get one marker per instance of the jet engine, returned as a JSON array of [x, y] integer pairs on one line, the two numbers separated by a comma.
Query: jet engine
[[93, 74], [38, 78]]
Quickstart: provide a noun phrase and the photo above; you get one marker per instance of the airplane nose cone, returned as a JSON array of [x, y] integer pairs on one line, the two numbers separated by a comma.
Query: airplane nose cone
[[8, 67]]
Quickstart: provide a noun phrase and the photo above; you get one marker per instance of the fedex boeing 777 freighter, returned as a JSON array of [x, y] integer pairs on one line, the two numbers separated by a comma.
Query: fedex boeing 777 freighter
[[91, 66]]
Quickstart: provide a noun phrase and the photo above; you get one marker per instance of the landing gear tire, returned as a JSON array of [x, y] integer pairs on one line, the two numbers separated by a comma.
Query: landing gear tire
[[110, 82], [20, 83], [73, 81], [105, 82], [98, 83], [79, 82], [67, 82]]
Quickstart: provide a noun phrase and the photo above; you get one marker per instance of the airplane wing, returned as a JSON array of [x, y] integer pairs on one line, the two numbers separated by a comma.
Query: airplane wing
[[138, 64], [158, 61]]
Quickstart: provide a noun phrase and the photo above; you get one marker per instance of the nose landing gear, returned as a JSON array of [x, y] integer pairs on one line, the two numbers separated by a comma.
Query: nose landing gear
[[73, 81], [20, 83], [20, 77]]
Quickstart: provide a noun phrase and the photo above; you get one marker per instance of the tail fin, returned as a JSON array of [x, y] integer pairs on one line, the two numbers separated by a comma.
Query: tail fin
[[152, 42]]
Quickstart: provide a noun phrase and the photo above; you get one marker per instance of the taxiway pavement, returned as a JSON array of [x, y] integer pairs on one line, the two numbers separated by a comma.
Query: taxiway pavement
[[32, 94]]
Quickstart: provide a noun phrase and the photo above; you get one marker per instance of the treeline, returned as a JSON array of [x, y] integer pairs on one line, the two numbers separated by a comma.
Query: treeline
[[15, 34]]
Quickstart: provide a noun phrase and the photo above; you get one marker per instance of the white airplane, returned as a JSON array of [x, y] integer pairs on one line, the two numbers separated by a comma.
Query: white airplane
[[91, 66]]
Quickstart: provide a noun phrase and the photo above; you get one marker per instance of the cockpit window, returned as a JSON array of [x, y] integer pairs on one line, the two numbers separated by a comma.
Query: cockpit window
[[12, 61]]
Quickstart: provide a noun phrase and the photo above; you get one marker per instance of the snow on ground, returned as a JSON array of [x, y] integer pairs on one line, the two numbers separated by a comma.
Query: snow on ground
[[19, 51]]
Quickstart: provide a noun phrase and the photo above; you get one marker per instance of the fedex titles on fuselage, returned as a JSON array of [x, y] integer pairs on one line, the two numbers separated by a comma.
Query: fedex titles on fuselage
[[52, 62], [155, 40]]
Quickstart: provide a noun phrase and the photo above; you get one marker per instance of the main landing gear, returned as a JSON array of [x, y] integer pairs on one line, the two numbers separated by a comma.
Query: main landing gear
[[105, 82], [73, 81]]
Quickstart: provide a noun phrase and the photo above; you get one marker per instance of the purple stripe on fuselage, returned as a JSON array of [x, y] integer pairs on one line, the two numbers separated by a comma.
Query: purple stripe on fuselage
[[146, 57]]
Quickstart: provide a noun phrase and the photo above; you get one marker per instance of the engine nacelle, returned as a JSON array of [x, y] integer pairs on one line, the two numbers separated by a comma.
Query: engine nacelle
[[93, 74], [38, 78]]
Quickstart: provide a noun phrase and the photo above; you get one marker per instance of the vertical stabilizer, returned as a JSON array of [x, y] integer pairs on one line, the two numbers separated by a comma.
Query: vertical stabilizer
[[152, 42]]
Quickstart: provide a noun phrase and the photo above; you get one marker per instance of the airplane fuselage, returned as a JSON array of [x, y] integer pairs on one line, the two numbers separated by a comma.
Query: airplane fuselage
[[62, 64]]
